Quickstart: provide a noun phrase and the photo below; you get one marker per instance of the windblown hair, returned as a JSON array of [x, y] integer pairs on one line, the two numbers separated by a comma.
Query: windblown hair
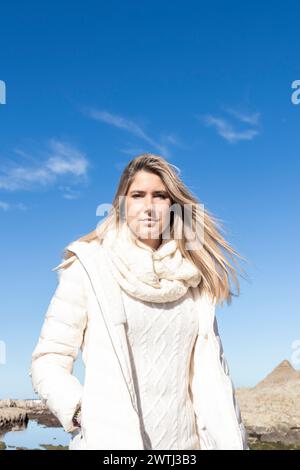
[[211, 257]]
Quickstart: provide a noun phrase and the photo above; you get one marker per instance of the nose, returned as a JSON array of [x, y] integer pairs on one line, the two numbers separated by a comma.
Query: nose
[[148, 205], [148, 201]]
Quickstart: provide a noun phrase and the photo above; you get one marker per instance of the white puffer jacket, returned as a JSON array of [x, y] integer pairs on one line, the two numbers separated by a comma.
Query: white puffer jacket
[[86, 312]]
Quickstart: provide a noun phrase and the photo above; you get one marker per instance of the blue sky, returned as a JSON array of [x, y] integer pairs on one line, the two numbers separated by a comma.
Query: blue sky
[[89, 85]]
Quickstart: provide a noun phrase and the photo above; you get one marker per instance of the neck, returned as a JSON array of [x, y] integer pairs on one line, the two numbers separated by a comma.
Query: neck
[[152, 243]]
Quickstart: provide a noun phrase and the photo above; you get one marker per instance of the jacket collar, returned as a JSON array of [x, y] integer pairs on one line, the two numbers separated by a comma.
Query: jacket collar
[[92, 257]]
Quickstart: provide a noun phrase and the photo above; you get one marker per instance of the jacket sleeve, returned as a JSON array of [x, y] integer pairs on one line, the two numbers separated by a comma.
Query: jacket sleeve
[[224, 364], [61, 337]]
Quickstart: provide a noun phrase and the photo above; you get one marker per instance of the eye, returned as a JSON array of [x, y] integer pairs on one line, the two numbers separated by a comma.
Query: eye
[[162, 196]]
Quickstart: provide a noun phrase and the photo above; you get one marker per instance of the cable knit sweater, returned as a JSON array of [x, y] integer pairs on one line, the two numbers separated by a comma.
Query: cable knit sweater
[[161, 337]]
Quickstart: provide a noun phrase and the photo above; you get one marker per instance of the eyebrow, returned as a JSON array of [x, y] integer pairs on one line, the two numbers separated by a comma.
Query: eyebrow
[[153, 192]]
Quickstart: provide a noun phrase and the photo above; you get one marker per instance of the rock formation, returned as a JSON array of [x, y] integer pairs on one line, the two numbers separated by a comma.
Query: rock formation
[[271, 409]]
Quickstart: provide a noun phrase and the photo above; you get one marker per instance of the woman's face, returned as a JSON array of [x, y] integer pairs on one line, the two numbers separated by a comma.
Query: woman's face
[[147, 207]]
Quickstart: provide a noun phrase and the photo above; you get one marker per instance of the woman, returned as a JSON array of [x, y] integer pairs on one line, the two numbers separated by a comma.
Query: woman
[[137, 296]]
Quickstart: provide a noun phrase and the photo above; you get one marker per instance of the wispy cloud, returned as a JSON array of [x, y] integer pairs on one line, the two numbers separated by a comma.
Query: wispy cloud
[[248, 118], [172, 139], [66, 160], [227, 131], [232, 132], [5, 206], [131, 127], [69, 193], [60, 160]]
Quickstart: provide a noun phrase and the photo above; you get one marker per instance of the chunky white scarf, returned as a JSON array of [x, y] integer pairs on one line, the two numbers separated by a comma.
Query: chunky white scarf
[[161, 275]]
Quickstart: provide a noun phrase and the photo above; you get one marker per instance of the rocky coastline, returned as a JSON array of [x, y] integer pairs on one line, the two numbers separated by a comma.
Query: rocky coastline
[[17, 412]]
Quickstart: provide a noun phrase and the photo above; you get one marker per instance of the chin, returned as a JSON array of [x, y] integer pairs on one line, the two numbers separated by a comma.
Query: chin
[[148, 233]]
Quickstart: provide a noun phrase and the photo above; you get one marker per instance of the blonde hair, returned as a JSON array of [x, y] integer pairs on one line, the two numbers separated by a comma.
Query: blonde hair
[[217, 271]]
